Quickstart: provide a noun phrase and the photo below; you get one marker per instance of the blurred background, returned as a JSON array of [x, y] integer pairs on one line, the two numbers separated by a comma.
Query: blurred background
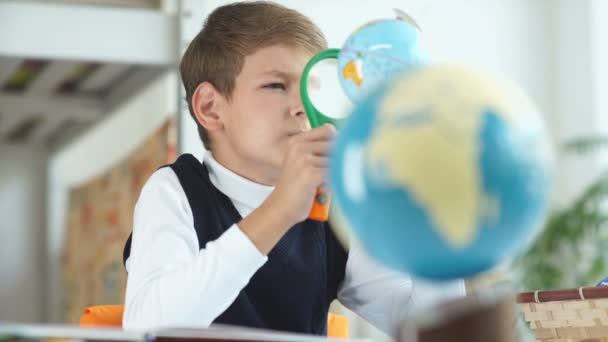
[[91, 104]]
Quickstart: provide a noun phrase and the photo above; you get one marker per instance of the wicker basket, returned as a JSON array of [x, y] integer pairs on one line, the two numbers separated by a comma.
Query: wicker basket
[[567, 315]]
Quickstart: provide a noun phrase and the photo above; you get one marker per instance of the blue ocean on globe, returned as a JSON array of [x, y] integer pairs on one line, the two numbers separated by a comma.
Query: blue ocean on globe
[[442, 173]]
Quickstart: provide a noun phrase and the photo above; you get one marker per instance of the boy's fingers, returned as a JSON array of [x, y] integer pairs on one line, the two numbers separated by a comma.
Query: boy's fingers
[[319, 148], [319, 161]]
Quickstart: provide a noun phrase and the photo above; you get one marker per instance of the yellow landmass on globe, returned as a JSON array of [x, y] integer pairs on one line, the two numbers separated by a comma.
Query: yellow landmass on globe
[[426, 140], [352, 71]]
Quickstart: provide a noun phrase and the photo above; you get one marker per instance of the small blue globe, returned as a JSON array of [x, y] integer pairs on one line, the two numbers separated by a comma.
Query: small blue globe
[[377, 51], [443, 172]]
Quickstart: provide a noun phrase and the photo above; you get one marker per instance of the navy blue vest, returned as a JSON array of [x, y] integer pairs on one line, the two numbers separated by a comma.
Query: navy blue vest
[[293, 289]]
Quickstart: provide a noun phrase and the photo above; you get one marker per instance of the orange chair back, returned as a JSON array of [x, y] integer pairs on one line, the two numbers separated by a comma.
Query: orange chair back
[[337, 326], [103, 316]]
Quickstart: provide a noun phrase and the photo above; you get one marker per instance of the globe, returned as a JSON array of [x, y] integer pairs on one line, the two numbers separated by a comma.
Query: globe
[[443, 172], [377, 51]]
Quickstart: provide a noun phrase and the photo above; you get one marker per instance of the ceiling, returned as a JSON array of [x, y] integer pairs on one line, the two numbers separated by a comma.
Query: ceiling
[[44, 100], [63, 68]]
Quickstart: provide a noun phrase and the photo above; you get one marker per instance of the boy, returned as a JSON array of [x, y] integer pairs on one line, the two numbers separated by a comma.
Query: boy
[[228, 240]]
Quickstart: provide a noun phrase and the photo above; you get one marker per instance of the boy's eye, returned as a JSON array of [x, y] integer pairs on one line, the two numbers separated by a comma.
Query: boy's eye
[[275, 85]]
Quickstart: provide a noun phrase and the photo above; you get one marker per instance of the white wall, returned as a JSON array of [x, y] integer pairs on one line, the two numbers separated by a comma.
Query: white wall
[[91, 155], [573, 92], [599, 68], [22, 233]]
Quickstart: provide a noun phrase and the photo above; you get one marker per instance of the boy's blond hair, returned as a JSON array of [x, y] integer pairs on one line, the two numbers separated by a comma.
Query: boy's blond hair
[[231, 32]]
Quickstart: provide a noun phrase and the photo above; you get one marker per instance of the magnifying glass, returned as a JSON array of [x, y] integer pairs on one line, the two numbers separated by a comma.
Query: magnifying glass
[[320, 208], [374, 53]]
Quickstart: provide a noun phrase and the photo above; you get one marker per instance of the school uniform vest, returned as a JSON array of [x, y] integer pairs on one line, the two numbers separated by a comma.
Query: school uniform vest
[[292, 291]]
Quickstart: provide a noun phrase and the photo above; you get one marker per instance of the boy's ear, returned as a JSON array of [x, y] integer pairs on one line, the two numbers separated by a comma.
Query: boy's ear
[[205, 105]]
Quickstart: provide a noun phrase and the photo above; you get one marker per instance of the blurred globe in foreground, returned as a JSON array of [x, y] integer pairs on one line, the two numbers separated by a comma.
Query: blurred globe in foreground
[[377, 51], [443, 172]]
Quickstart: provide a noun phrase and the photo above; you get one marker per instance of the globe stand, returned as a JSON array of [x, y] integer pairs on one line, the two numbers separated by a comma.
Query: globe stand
[[484, 315]]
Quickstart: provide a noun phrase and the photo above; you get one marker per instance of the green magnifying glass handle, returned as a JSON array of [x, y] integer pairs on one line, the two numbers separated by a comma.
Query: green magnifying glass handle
[[320, 207]]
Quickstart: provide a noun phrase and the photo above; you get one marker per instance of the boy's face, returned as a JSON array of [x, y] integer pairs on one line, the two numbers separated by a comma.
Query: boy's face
[[265, 110]]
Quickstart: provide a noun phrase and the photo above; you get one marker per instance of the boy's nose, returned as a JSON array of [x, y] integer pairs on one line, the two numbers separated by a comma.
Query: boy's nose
[[300, 117], [298, 111], [297, 108]]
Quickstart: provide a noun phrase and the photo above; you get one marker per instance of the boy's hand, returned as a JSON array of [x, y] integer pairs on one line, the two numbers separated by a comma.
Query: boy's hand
[[305, 168]]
